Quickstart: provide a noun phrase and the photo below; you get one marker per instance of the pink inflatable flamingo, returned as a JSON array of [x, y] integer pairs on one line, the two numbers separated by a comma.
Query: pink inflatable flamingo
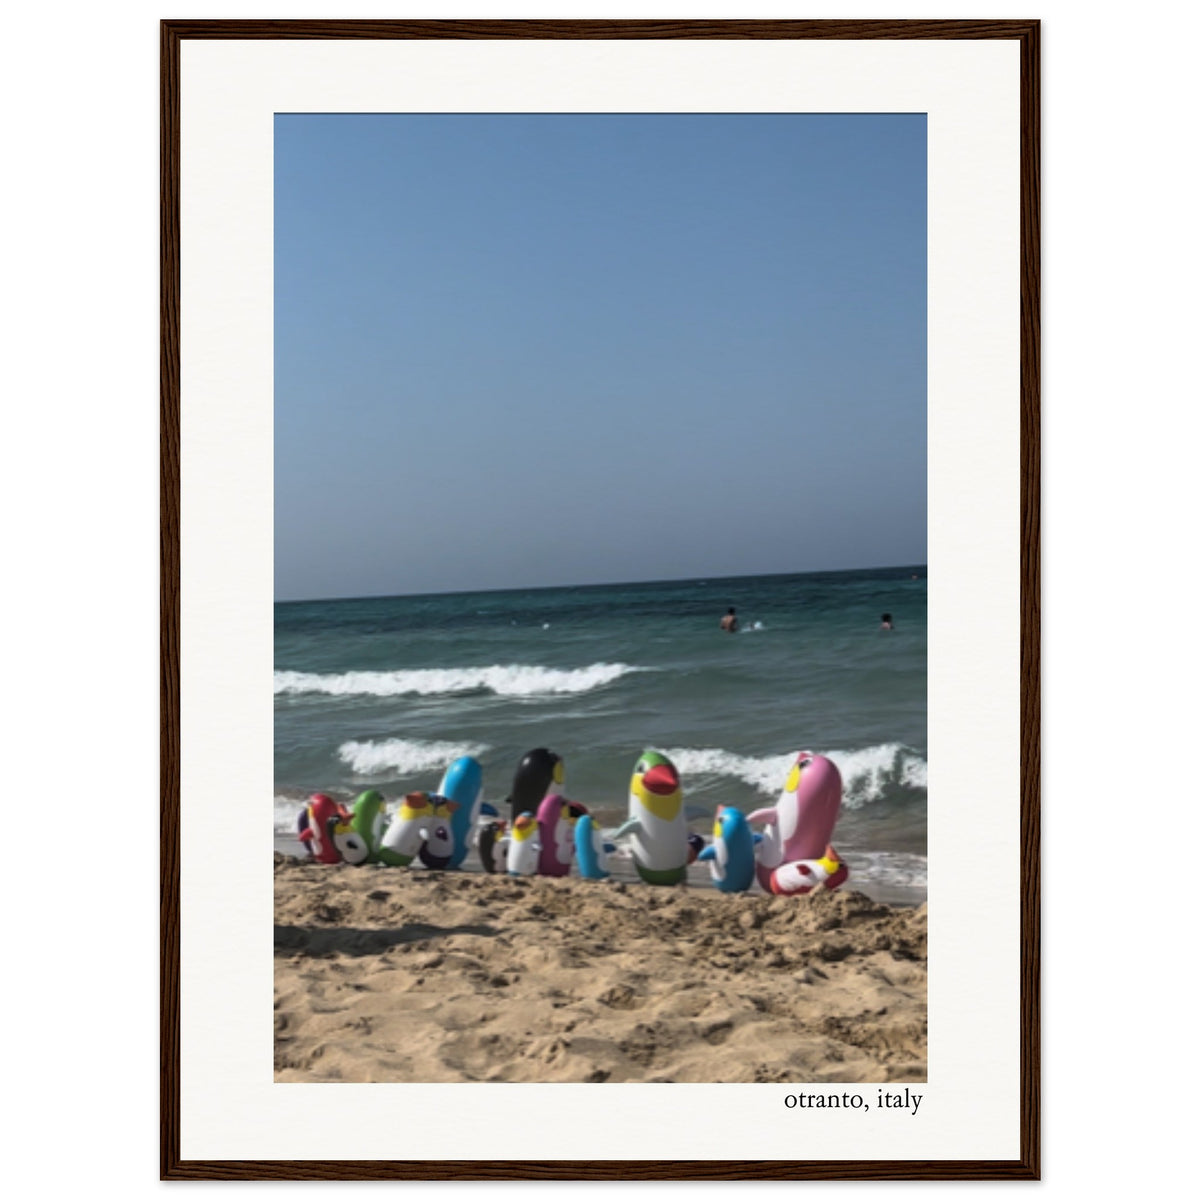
[[795, 855]]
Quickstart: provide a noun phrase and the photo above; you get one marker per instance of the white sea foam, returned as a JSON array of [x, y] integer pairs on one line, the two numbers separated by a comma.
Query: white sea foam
[[890, 868], [404, 757], [766, 774], [287, 811], [510, 680], [865, 773]]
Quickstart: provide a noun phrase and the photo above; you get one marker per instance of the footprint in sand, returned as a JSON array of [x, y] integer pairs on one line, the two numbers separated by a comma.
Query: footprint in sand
[[718, 1034], [621, 998]]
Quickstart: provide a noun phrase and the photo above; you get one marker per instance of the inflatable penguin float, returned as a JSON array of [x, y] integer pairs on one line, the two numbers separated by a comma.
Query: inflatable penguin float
[[358, 840], [795, 854], [402, 840], [437, 836], [316, 826], [539, 773], [656, 825], [523, 846], [591, 850], [556, 818], [463, 784], [730, 856]]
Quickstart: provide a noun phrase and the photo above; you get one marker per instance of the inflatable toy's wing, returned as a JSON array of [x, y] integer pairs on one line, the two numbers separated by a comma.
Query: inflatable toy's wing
[[490, 841], [764, 816], [632, 825], [303, 832], [331, 824]]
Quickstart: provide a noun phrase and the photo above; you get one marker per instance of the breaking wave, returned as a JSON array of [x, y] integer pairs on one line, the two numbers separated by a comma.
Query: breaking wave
[[400, 755], [509, 680], [866, 773]]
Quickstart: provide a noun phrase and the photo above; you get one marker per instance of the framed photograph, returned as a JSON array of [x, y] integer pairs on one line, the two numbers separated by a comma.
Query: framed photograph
[[600, 509]]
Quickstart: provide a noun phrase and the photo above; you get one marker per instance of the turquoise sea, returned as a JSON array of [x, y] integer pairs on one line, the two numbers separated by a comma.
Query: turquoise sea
[[384, 692]]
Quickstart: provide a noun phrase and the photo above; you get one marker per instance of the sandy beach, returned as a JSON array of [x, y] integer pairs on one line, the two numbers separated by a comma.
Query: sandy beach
[[392, 975]]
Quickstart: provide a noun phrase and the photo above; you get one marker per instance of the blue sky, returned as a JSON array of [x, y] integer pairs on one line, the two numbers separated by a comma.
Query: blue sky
[[524, 350]]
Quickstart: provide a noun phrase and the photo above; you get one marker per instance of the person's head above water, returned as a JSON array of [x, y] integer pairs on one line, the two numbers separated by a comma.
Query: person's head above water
[[732, 610]]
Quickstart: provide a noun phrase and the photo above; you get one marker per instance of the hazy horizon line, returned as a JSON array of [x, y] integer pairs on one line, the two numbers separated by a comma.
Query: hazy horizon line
[[552, 587]]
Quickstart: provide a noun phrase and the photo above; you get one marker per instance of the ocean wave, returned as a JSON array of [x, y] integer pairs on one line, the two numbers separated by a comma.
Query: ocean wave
[[509, 680], [287, 810], [866, 773], [891, 868], [766, 774], [400, 755]]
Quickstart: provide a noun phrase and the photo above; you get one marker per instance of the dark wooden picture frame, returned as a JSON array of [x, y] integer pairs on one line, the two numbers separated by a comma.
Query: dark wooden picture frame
[[172, 1166]]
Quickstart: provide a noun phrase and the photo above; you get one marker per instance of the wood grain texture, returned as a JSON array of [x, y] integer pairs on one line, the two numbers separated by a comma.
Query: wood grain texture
[[1031, 1021], [611, 1169], [1027, 1166], [169, 534], [823, 30]]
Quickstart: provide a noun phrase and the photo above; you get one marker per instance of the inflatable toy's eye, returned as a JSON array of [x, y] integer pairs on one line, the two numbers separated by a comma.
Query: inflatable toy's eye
[[354, 850], [642, 767]]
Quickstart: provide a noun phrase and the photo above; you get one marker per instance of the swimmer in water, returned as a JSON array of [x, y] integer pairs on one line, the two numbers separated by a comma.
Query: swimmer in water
[[729, 621], [885, 621]]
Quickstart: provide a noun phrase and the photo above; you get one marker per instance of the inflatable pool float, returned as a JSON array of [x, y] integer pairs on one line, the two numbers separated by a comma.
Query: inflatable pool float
[[800, 878], [591, 850], [537, 773], [730, 856], [402, 838], [523, 846], [795, 854], [492, 846], [437, 835], [316, 825], [358, 839], [656, 825], [556, 818], [463, 783]]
